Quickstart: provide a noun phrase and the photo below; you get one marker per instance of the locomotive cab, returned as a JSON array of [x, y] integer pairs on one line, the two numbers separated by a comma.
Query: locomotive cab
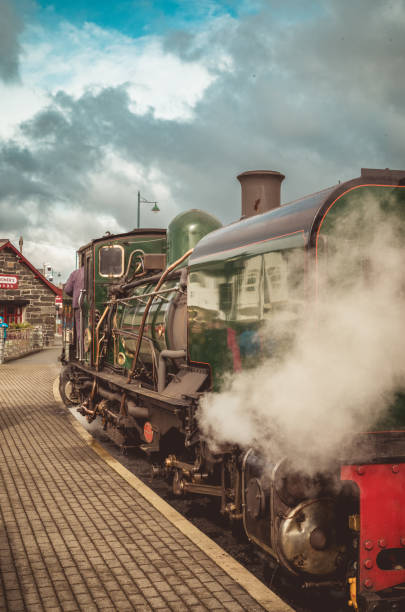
[[130, 347]]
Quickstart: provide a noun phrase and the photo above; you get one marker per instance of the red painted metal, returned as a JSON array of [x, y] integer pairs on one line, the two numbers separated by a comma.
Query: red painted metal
[[382, 520], [234, 348], [148, 432]]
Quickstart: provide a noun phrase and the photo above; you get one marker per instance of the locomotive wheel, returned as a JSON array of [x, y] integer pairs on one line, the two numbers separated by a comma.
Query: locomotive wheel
[[177, 484], [66, 388]]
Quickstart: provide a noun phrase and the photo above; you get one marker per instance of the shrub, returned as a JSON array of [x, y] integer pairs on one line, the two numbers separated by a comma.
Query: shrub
[[24, 325]]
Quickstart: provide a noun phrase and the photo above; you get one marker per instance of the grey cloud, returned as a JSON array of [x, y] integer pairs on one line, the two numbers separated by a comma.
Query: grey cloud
[[316, 98], [10, 28], [67, 140], [354, 47], [18, 158]]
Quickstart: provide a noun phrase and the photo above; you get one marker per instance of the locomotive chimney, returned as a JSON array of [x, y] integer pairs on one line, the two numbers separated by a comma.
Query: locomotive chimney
[[260, 191]]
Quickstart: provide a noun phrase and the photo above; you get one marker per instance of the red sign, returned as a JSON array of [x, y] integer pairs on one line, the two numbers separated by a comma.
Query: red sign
[[9, 281], [58, 300], [148, 432]]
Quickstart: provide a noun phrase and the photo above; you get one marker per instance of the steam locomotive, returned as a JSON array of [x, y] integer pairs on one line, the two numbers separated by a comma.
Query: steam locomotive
[[165, 315]]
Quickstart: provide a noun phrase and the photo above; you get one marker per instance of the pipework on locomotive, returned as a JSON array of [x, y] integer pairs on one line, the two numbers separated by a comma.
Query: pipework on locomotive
[[164, 315]]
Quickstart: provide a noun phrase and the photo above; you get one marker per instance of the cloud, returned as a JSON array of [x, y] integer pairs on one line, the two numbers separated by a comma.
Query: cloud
[[90, 58], [77, 60], [315, 94], [10, 28]]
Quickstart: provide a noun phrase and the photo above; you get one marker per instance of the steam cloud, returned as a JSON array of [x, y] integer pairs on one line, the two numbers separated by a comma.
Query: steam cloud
[[94, 427], [346, 357]]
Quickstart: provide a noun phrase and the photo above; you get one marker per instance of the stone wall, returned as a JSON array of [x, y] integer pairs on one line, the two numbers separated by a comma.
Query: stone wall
[[40, 309], [21, 342]]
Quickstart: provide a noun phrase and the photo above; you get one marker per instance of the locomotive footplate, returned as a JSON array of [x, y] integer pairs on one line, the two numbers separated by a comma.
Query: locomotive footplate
[[171, 404]]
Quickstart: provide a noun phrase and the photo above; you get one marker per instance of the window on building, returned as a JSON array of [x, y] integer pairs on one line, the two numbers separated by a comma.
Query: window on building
[[12, 313]]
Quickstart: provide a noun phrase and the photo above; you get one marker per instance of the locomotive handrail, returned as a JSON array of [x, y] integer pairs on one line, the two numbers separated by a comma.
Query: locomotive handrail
[[149, 279], [142, 301], [144, 295], [136, 252], [148, 305], [98, 342]]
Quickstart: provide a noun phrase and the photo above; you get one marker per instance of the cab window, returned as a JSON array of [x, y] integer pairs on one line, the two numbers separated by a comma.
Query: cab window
[[111, 260]]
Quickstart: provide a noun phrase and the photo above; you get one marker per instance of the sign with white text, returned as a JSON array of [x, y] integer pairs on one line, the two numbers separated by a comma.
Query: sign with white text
[[9, 281]]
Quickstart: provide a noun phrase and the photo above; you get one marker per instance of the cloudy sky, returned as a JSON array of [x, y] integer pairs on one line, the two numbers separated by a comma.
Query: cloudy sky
[[175, 97]]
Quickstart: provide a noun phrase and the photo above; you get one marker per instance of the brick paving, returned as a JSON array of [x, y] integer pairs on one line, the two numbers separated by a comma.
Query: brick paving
[[73, 534]]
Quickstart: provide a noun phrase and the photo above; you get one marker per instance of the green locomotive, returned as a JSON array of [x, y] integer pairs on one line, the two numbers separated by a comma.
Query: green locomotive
[[165, 317]]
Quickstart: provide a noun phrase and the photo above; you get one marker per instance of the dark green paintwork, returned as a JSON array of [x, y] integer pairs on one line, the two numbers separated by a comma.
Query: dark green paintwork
[[186, 230], [232, 296]]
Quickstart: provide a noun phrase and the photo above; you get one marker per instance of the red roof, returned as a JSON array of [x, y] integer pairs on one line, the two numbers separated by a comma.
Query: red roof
[[6, 244]]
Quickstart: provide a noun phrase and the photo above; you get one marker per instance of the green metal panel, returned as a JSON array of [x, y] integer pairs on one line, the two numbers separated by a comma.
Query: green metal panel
[[186, 230], [232, 298]]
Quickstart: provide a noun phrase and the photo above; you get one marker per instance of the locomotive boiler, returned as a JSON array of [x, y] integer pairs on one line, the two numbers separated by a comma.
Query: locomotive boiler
[[165, 316]]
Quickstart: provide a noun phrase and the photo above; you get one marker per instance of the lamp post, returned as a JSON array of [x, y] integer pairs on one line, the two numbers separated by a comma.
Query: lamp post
[[142, 200]]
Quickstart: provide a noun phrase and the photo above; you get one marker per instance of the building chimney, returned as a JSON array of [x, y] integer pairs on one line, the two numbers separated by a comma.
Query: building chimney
[[20, 243], [260, 191]]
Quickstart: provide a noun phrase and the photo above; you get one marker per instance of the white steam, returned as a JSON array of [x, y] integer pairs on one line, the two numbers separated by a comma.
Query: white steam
[[93, 427], [346, 358]]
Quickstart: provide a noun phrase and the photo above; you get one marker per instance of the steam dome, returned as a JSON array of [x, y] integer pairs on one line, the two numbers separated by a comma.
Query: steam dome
[[186, 230]]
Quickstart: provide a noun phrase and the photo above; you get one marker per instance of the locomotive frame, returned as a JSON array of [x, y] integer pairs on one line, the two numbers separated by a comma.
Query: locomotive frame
[[164, 316]]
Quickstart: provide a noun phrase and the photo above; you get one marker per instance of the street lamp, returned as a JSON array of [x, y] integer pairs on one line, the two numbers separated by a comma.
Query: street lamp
[[142, 200]]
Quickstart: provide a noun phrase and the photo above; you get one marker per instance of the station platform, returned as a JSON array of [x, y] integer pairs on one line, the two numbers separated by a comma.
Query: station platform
[[78, 531]]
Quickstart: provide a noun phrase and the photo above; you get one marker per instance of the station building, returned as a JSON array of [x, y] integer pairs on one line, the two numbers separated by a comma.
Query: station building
[[25, 294]]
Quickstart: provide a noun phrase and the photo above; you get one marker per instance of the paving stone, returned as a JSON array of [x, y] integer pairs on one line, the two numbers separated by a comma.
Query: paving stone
[[232, 607], [137, 599], [70, 606], [50, 602], [180, 607], [201, 592], [32, 600], [84, 599], [210, 602], [79, 588]]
